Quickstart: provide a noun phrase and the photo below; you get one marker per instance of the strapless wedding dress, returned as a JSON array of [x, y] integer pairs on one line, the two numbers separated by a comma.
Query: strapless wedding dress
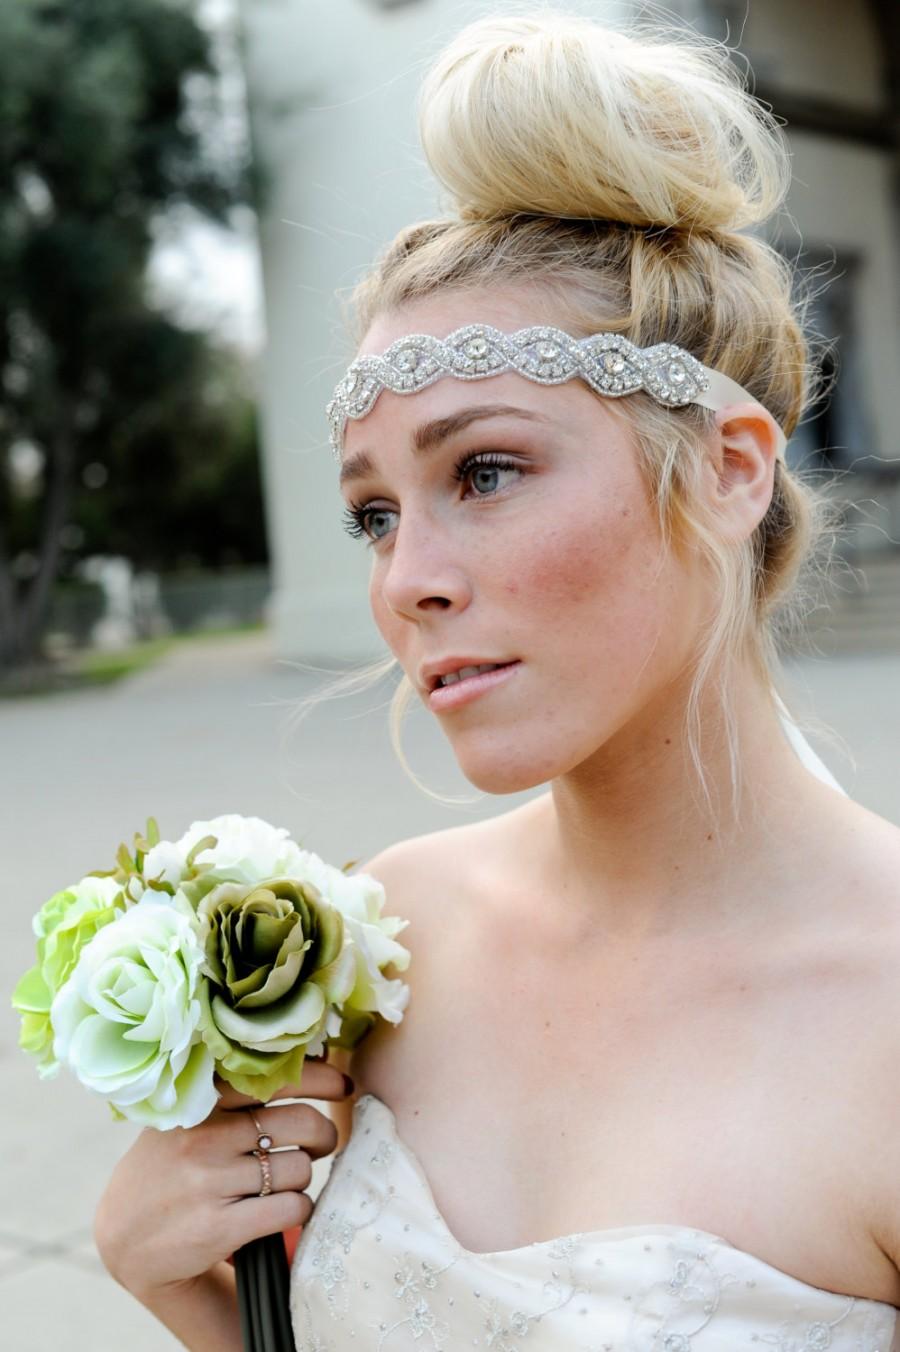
[[377, 1268]]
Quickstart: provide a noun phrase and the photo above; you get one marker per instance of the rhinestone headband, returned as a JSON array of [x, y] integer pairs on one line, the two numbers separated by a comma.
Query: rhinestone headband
[[608, 362]]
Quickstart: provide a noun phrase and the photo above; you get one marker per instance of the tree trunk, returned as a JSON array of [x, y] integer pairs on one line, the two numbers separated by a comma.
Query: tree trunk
[[9, 638], [31, 612]]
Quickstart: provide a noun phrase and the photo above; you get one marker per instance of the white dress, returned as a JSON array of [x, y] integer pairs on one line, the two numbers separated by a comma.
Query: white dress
[[377, 1268]]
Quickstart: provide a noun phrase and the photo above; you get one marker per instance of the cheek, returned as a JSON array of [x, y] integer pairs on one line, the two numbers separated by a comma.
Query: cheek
[[605, 610], [381, 613], [591, 571]]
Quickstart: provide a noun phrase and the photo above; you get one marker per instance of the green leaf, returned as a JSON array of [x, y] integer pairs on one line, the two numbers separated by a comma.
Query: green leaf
[[206, 843], [354, 1028], [287, 1071], [157, 885], [143, 844]]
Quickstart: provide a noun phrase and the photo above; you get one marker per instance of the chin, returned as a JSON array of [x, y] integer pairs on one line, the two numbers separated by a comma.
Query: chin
[[505, 773]]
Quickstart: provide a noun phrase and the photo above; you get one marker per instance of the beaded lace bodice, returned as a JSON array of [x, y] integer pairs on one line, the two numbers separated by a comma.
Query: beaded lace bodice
[[378, 1268]]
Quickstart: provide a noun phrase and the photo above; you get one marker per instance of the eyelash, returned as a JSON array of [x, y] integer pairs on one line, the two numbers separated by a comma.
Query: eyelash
[[357, 514]]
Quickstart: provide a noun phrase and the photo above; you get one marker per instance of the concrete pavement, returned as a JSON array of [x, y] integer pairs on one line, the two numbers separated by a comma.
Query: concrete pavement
[[206, 731]]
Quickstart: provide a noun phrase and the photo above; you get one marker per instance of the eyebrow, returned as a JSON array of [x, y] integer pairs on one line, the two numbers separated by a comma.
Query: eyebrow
[[429, 436]]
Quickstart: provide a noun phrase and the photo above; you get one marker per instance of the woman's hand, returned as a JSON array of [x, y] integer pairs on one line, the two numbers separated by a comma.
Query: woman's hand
[[180, 1201]]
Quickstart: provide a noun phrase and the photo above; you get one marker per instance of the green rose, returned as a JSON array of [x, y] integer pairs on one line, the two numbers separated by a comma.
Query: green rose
[[273, 960], [363, 991], [63, 926]]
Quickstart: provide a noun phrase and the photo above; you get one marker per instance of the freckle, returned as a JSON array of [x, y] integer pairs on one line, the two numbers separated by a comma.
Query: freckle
[[709, 837], [668, 741]]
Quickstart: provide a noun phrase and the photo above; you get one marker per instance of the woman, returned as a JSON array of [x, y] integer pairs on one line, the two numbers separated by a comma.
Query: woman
[[645, 1094]]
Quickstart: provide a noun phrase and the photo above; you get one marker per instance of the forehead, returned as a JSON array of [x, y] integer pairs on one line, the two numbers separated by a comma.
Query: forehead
[[399, 417], [441, 313]]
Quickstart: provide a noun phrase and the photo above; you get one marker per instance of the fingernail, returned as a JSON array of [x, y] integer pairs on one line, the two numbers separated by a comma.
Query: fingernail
[[349, 1086]]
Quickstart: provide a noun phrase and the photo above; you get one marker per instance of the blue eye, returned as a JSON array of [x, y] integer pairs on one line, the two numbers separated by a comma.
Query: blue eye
[[356, 520], [359, 518]]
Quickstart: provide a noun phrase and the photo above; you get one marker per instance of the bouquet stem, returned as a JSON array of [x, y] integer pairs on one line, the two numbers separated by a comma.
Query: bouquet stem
[[263, 1289]]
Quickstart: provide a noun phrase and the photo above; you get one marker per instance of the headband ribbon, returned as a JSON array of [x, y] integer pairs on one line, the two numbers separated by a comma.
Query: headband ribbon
[[609, 363], [612, 366]]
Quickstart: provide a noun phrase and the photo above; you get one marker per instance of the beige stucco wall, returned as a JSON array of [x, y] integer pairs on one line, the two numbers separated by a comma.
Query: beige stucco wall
[[841, 200], [332, 87], [824, 49]]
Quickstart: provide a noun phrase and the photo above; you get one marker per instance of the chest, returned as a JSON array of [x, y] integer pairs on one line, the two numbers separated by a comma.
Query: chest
[[544, 1097]]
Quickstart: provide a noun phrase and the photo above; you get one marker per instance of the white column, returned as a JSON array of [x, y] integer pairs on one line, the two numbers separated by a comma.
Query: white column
[[332, 92], [332, 89]]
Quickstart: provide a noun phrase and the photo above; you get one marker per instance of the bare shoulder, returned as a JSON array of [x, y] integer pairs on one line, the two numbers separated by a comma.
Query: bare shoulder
[[459, 857], [418, 875], [880, 835], [855, 857], [874, 865], [873, 884]]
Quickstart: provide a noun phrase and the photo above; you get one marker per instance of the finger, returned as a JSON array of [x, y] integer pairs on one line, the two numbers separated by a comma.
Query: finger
[[290, 1171], [317, 1080], [288, 1124], [248, 1218]]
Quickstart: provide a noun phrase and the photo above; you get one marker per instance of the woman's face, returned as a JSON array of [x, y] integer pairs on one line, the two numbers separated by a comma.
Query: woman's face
[[508, 523]]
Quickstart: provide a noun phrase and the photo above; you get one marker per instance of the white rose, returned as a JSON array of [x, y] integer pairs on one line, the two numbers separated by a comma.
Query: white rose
[[369, 938], [247, 849], [360, 898], [166, 862], [372, 990], [127, 1020]]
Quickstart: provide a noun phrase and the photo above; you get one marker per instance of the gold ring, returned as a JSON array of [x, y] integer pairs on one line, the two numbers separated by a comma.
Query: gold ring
[[266, 1168], [263, 1139]]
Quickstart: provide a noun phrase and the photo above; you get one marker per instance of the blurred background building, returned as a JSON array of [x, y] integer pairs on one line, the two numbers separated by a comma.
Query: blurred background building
[[331, 96], [163, 468]]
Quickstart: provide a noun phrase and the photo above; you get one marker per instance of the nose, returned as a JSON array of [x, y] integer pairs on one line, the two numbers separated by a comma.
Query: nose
[[424, 571]]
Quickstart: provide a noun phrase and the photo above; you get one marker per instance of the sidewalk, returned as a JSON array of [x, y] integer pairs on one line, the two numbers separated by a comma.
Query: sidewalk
[[206, 732]]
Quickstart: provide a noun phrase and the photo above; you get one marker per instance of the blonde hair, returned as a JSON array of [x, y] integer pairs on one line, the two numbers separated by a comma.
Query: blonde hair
[[610, 172]]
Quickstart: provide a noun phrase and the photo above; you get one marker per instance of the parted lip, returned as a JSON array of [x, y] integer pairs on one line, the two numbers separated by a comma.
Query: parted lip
[[430, 674]]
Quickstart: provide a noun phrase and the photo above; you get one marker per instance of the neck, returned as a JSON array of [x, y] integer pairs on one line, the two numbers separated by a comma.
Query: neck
[[631, 851]]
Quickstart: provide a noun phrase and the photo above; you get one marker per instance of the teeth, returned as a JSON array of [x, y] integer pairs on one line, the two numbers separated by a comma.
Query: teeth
[[453, 676]]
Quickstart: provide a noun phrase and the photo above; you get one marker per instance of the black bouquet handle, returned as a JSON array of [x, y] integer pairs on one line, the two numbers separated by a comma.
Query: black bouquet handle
[[263, 1290]]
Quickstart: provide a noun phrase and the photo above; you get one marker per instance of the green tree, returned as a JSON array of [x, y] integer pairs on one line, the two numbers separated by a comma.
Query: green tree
[[174, 455], [108, 111]]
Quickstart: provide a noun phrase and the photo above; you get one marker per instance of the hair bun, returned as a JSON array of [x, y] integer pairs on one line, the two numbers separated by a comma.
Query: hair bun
[[557, 115]]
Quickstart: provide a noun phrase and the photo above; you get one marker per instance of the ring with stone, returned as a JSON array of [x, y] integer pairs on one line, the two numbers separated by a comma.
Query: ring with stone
[[263, 1139]]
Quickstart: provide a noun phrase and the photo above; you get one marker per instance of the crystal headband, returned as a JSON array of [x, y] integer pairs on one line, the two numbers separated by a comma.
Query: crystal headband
[[608, 362]]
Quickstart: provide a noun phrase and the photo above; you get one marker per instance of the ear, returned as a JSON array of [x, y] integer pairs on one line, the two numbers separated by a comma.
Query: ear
[[744, 454]]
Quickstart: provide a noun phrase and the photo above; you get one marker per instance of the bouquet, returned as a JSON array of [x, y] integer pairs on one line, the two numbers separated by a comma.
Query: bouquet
[[229, 952]]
